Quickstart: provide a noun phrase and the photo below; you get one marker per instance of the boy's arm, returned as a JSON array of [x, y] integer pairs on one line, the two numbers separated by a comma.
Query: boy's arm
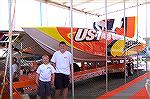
[[53, 78]]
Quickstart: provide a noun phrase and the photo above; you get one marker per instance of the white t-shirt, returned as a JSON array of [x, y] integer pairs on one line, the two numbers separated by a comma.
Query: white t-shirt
[[45, 72], [62, 61], [14, 69]]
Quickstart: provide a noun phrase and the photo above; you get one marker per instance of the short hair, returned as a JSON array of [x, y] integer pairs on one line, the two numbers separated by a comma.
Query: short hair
[[62, 42], [45, 55]]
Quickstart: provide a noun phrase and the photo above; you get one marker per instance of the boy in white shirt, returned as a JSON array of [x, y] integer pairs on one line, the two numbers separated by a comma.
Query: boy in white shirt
[[45, 77], [62, 61]]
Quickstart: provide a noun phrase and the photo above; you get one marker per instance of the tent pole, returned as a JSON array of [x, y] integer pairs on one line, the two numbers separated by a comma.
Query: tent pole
[[125, 73], [10, 49], [41, 12], [106, 45], [137, 38], [71, 30], [46, 14], [146, 34]]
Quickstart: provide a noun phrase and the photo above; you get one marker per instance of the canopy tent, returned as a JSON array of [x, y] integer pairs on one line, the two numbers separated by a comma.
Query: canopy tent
[[96, 7], [90, 7]]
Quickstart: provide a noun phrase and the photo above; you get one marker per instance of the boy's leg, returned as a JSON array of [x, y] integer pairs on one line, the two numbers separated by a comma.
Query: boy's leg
[[65, 85], [48, 89], [65, 93], [38, 97], [57, 93], [58, 84], [48, 97], [41, 89]]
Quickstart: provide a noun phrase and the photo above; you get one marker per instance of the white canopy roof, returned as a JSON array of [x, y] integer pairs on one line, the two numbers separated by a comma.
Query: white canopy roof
[[97, 7]]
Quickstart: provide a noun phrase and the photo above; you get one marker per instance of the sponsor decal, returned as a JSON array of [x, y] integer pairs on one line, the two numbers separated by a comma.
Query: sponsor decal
[[85, 35], [131, 43], [99, 30]]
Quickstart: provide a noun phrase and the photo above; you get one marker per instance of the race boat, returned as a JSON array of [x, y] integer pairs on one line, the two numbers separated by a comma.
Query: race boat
[[90, 44]]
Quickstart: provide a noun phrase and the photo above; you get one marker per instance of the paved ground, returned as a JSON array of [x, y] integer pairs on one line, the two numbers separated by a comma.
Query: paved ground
[[94, 87], [91, 88]]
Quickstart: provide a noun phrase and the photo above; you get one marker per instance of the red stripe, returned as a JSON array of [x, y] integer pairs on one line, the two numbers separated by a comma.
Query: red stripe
[[142, 94], [121, 88]]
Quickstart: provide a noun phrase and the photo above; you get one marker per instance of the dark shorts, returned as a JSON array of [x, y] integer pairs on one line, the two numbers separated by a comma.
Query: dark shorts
[[44, 88], [61, 80]]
